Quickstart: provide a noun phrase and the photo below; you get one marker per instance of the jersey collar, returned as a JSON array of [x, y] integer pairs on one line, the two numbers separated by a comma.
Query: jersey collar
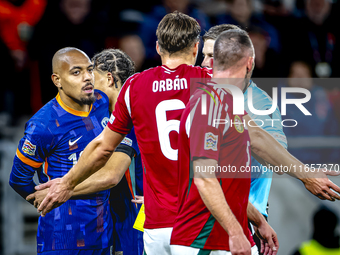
[[70, 110]]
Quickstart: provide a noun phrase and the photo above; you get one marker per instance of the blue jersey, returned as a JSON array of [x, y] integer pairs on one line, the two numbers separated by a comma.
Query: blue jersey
[[54, 139], [261, 181], [127, 239]]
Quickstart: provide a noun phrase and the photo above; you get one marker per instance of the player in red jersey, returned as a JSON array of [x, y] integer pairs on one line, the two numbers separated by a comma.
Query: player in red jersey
[[213, 204], [152, 101]]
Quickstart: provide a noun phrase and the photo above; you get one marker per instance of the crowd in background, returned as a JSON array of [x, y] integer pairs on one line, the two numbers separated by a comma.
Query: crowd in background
[[292, 38]]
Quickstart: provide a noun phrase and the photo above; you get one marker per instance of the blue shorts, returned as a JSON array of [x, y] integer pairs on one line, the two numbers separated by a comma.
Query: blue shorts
[[105, 251]]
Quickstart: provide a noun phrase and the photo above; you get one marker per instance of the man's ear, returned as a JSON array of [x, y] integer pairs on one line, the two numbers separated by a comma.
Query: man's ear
[[196, 49], [157, 48], [56, 80], [250, 64], [110, 79]]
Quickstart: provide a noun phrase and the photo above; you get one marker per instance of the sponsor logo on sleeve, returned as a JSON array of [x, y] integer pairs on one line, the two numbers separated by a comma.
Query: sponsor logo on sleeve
[[105, 121], [210, 141], [112, 118], [29, 148], [127, 141], [238, 124]]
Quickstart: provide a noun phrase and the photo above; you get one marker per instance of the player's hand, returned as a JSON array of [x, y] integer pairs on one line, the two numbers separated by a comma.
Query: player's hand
[[37, 197], [319, 185], [239, 245], [268, 237], [59, 192], [138, 200]]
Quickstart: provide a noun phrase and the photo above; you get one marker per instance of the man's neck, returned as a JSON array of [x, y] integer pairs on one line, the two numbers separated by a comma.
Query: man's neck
[[234, 77], [71, 103], [174, 62]]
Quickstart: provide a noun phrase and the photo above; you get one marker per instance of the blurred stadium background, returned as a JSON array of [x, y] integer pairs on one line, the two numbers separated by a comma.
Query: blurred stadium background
[[292, 38]]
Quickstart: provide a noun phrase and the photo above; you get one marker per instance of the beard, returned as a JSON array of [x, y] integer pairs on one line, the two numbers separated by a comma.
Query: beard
[[88, 100]]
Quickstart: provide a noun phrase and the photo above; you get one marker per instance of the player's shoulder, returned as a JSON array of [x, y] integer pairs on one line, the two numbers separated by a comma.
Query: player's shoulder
[[202, 69], [45, 113], [183, 67], [133, 77], [41, 122], [199, 71], [151, 73], [100, 95], [260, 97], [257, 91], [148, 73], [101, 99]]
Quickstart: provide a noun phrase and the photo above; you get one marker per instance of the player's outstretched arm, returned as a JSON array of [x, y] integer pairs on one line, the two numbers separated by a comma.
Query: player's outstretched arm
[[271, 151], [267, 235], [213, 197], [94, 157], [105, 178]]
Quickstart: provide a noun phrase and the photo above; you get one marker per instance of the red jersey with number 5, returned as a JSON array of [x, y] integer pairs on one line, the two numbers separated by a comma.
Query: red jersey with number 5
[[209, 130], [153, 101]]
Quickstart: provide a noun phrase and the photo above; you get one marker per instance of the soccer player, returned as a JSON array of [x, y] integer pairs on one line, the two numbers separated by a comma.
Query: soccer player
[[260, 183], [153, 101], [112, 67], [54, 139], [128, 240], [171, 85], [212, 216], [317, 183]]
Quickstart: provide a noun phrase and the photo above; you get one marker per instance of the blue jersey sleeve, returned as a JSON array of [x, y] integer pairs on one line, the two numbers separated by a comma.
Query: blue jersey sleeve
[[261, 181], [29, 158], [21, 178]]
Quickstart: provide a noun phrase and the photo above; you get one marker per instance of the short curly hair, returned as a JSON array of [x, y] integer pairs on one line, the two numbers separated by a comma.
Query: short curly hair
[[115, 61]]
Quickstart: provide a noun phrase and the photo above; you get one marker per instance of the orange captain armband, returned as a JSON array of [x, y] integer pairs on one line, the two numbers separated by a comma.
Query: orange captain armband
[[28, 161]]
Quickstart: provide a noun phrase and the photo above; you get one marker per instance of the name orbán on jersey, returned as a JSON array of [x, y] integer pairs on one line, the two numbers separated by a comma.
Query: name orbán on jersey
[[153, 101]]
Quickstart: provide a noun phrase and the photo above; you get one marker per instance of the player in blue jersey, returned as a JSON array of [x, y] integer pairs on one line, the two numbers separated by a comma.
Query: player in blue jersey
[[53, 142], [261, 182], [128, 240], [111, 68]]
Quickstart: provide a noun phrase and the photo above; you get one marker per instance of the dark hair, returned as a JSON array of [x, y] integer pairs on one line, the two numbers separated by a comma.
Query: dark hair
[[177, 32], [230, 47], [115, 61], [215, 31]]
